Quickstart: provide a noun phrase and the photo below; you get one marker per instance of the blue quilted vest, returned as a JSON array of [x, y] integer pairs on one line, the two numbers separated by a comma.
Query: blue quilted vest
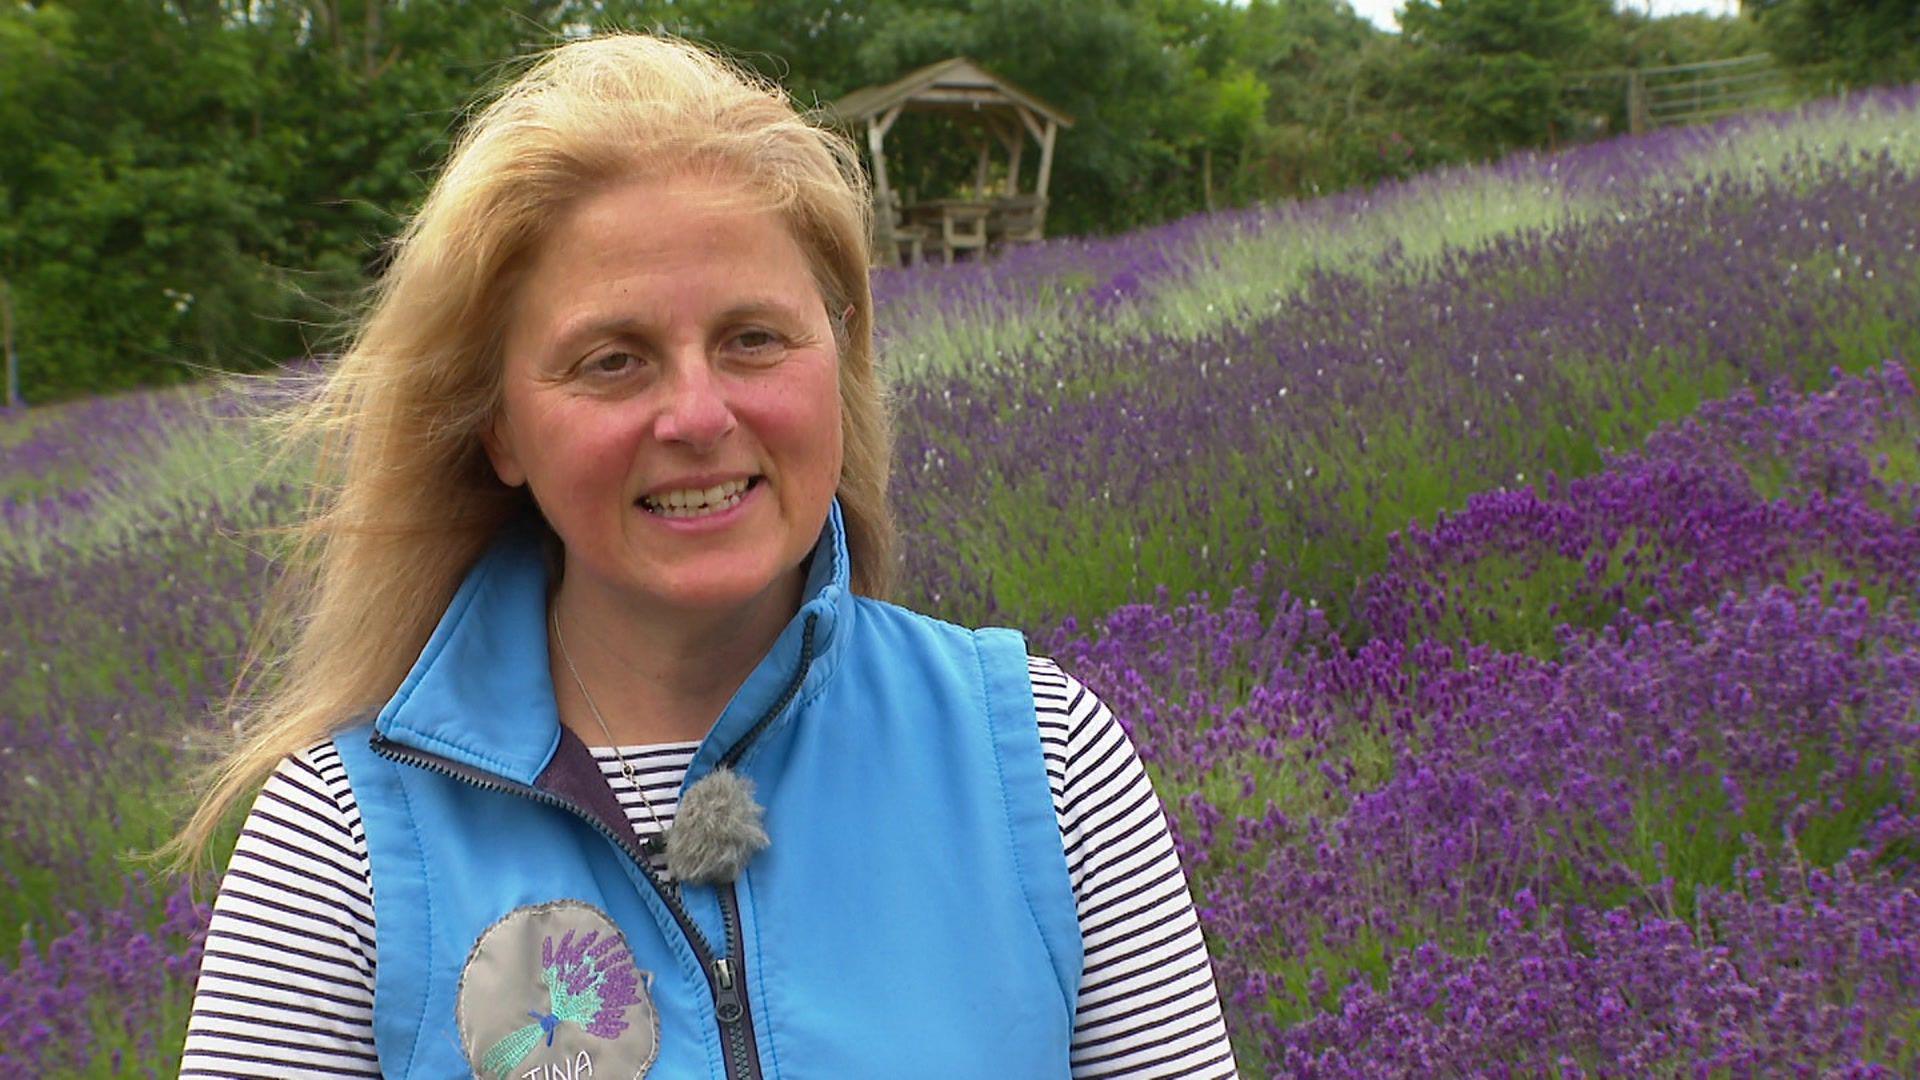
[[912, 917]]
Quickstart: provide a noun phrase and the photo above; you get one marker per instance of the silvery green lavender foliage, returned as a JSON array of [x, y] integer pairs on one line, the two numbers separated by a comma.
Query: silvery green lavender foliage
[[1200, 274], [86, 475], [50, 465], [1302, 438], [1562, 720]]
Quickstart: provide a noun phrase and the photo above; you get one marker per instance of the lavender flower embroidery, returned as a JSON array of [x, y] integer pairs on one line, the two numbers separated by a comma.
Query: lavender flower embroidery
[[591, 982]]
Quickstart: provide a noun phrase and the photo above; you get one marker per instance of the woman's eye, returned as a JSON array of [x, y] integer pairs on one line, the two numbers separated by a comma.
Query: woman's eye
[[614, 363], [756, 341]]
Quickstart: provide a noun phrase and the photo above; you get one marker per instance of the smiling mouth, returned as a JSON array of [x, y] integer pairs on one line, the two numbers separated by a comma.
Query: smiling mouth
[[698, 502]]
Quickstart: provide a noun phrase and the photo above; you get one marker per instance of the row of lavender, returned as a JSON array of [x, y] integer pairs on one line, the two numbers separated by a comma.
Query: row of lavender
[[112, 663], [1305, 437], [1300, 441], [1687, 843], [1215, 270]]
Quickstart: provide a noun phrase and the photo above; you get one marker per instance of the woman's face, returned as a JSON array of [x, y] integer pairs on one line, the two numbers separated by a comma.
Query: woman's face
[[671, 396]]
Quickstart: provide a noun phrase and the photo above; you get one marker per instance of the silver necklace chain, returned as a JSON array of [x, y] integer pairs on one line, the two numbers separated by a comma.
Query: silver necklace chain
[[626, 767]]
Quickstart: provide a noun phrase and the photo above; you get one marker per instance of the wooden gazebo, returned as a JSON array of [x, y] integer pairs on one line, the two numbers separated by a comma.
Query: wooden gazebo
[[982, 104]]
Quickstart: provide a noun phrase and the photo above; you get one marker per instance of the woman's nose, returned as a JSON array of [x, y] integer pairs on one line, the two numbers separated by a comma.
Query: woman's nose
[[696, 411]]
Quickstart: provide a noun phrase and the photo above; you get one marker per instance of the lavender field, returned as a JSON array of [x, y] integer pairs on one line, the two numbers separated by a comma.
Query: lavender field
[[1509, 578]]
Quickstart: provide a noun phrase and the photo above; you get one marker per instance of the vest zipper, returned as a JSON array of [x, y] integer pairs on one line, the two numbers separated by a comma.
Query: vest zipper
[[726, 975], [733, 1008]]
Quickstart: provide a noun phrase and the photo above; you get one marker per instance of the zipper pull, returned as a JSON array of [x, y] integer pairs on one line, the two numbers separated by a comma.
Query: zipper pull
[[726, 997]]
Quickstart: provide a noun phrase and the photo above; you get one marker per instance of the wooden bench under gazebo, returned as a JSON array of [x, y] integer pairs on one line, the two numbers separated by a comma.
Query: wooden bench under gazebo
[[982, 104]]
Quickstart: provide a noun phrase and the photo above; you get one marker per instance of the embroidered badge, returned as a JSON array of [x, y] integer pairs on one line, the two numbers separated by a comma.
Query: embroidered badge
[[550, 992]]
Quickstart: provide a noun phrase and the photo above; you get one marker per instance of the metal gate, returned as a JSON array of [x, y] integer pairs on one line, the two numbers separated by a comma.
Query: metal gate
[[1691, 93]]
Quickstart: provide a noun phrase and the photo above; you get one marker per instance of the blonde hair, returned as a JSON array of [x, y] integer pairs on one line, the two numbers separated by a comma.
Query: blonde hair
[[406, 502]]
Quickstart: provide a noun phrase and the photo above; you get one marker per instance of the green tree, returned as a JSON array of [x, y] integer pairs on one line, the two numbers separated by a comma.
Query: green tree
[[1843, 43], [204, 183], [1129, 158], [1497, 66], [1638, 40], [132, 233]]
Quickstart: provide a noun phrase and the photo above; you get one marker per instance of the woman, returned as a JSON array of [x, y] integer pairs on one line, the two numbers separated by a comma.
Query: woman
[[596, 753]]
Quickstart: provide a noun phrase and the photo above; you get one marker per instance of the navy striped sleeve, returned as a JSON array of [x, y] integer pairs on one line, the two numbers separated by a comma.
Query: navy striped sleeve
[[1148, 1006], [286, 986]]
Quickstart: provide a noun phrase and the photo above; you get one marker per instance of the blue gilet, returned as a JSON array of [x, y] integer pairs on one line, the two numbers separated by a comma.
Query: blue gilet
[[913, 915]]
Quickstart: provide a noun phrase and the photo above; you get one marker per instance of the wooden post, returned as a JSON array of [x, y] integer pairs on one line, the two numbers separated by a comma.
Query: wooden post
[[982, 167], [6, 335], [1636, 103], [1206, 178], [876, 146], [1013, 141], [888, 251], [882, 193], [1046, 158]]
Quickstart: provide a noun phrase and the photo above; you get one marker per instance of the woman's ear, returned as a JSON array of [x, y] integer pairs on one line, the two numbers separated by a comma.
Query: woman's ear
[[497, 437]]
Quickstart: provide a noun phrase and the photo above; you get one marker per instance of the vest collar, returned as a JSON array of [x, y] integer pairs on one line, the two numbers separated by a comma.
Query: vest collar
[[481, 693]]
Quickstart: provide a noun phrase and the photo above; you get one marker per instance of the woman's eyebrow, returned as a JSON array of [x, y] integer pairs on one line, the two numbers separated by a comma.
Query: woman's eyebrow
[[590, 329], [592, 325], [760, 308]]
